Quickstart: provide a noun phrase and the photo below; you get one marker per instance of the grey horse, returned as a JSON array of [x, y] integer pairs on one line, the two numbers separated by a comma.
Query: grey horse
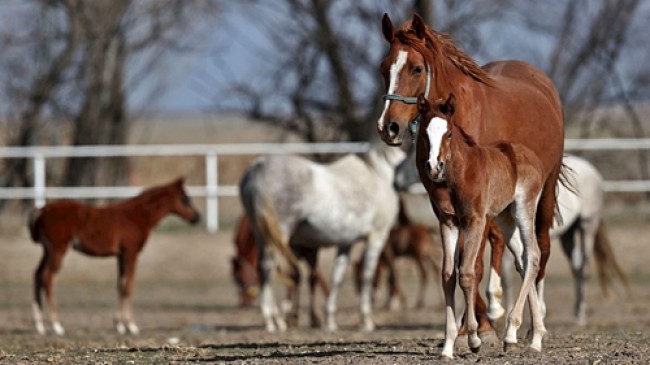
[[290, 199]]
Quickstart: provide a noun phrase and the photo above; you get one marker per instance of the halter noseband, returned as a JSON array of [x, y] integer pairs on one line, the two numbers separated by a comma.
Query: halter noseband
[[413, 125]]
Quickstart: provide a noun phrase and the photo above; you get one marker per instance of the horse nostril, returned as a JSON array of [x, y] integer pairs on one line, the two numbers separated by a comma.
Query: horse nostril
[[441, 165], [393, 128]]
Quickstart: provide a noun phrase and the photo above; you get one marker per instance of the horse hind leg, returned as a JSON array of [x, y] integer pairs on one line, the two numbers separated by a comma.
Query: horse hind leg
[[575, 252], [50, 265], [338, 273], [37, 306]]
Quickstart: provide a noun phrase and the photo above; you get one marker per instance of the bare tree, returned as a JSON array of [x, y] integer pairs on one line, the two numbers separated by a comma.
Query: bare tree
[[320, 76], [97, 53]]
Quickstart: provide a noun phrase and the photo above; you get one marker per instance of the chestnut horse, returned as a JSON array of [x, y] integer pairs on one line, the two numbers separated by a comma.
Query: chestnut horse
[[501, 180], [406, 239], [244, 271], [502, 100], [119, 229]]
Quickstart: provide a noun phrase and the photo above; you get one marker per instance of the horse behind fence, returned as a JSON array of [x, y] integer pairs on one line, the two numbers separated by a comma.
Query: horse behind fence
[[119, 229]]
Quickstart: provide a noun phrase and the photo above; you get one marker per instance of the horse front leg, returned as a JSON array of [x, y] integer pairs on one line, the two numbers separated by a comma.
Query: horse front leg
[[124, 317], [449, 234], [375, 247], [338, 272], [468, 278]]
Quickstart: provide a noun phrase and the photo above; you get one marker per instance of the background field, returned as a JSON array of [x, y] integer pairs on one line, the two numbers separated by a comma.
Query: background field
[[186, 305]]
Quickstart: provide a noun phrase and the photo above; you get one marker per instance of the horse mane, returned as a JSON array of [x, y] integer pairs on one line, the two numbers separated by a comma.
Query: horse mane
[[469, 140], [440, 46]]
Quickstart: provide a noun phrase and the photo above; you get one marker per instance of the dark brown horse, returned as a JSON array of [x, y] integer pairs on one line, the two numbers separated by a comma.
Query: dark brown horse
[[406, 239], [119, 229], [246, 274], [500, 180], [503, 100]]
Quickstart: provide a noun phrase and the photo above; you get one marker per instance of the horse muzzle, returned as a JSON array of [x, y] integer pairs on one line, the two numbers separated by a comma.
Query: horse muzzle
[[392, 133], [436, 172], [196, 218]]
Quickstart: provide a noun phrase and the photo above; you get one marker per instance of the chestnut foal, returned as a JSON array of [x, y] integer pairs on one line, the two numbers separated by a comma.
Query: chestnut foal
[[500, 180]]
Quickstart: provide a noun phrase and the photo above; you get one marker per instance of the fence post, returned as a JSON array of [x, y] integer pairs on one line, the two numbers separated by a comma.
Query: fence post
[[39, 180], [211, 192]]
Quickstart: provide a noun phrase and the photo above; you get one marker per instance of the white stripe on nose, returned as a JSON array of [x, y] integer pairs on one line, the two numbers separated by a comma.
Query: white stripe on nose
[[435, 131], [395, 70]]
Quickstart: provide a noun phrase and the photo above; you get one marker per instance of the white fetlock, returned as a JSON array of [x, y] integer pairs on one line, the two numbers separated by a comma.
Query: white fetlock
[[282, 325], [448, 349], [368, 325], [120, 327], [495, 311], [330, 324], [133, 328], [58, 328]]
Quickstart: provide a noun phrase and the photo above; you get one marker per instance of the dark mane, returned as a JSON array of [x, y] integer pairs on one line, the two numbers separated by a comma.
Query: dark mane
[[438, 47]]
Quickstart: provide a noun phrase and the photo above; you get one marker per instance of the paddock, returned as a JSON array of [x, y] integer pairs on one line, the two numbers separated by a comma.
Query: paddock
[[188, 311]]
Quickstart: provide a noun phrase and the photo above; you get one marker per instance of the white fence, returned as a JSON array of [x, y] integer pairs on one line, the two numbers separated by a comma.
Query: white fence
[[211, 191]]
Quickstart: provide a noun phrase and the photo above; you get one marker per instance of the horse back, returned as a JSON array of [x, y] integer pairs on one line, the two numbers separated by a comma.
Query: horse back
[[523, 106]]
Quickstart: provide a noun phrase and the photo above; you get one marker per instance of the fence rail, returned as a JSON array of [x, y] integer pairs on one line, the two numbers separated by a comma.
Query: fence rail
[[212, 191]]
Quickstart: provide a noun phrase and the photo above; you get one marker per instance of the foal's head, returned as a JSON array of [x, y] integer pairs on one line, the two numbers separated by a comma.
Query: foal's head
[[436, 132], [181, 204]]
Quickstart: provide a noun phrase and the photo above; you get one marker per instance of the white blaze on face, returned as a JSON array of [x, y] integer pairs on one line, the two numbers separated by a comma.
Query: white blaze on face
[[435, 131], [395, 69]]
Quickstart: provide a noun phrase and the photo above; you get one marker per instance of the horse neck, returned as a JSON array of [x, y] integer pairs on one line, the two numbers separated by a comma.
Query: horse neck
[[379, 162], [150, 207], [461, 155]]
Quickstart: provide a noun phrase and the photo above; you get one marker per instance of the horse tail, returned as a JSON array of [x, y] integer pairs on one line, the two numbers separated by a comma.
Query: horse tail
[[567, 179], [33, 223], [606, 263], [262, 214]]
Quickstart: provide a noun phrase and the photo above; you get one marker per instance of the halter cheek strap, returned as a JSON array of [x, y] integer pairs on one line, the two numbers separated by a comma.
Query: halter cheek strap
[[413, 125]]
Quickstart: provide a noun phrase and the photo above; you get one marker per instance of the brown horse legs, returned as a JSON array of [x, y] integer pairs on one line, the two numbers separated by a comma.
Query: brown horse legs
[[124, 316], [44, 280]]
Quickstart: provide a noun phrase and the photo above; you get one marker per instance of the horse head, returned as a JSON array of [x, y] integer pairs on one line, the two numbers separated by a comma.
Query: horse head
[[436, 134], [406, 73], [181, 204]]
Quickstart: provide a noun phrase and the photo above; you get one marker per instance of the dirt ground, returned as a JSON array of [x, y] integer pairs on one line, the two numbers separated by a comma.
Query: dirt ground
[[186, 307]]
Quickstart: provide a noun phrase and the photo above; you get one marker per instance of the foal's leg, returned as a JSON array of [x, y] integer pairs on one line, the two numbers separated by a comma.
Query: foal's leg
[[473, 234], [544, 217], [338, 272], [126, 270], [395, 298], [449, 235], [44, 279], [524, 218]]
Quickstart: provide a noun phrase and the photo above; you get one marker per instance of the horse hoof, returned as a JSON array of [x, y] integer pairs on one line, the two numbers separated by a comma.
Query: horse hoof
[[509, 346], [489, 337], [133, 329]]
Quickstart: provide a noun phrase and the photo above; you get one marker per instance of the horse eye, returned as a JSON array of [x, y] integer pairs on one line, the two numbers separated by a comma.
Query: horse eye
[[417, 70], [185, 200]]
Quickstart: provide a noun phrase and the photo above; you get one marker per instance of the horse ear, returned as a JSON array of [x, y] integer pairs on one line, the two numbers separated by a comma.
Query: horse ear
[[180, 181], [387, 28], [418, 26], [449, 106]]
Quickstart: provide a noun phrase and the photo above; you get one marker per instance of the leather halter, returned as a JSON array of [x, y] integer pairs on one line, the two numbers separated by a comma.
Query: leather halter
[[413, 125]]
